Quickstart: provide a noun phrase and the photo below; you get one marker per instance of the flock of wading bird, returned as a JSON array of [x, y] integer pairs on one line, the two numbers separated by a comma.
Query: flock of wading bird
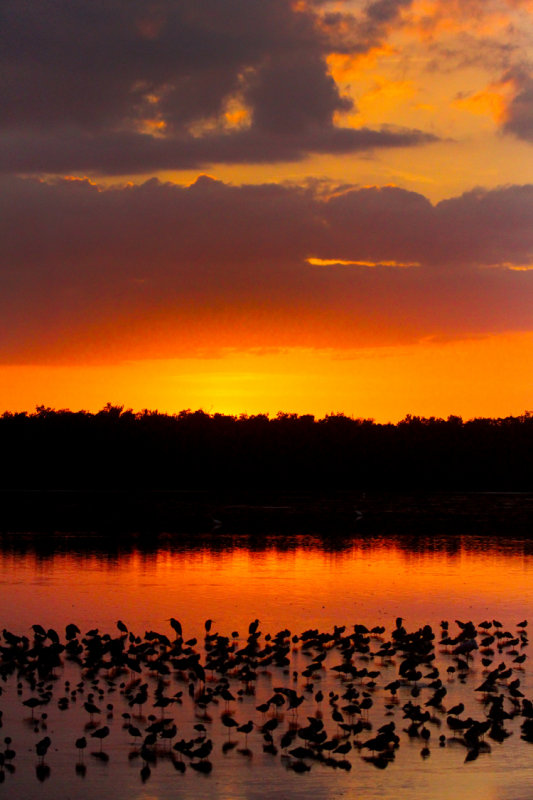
[[394, 677]]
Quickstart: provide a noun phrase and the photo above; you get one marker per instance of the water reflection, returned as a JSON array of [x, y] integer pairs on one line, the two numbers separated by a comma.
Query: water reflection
[[45, 546], [295, 583], [292, 580]]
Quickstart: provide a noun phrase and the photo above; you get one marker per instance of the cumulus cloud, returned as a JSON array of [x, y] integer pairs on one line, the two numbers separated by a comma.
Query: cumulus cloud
[[161, 269], [136, 85]]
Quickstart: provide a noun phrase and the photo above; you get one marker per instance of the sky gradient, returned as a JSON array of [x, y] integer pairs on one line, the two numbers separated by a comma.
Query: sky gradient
[[255, 206]]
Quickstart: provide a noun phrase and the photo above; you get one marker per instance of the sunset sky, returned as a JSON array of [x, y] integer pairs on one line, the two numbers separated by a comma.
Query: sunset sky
[[259, 205]]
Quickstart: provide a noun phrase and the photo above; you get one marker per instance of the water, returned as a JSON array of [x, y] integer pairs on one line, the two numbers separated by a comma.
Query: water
[[295, 583]]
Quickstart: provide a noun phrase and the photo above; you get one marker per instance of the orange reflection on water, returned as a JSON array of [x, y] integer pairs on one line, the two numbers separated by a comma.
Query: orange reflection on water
[[296, 585]]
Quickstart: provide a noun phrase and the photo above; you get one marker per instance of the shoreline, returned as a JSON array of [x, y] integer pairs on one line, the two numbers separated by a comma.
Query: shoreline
[[175, 512]]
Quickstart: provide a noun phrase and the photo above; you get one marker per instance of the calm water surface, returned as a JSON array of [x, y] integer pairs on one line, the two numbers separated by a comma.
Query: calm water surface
[[295, 583]]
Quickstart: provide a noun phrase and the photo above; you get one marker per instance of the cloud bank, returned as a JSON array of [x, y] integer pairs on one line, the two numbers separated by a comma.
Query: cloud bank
[[161, 269], [135, 86]]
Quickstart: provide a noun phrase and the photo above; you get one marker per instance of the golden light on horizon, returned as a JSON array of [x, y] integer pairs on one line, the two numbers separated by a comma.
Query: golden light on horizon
[[477, 377]]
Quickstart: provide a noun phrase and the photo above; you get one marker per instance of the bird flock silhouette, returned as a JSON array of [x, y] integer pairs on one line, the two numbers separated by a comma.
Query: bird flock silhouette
[[150, 689]]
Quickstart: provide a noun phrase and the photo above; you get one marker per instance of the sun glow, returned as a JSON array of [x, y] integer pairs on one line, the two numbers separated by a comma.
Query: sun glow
[[478, 377], [331, 262]]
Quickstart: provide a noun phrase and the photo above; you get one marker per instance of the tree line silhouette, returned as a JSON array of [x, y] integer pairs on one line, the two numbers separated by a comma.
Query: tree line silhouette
[[119, 449]]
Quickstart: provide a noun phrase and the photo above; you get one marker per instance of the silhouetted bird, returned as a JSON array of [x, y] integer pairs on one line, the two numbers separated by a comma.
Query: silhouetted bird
[[101, 734]]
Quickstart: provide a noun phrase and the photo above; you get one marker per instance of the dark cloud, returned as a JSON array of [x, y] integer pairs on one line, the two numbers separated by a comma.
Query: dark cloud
[[128, 153], [132, 85], [386, 11], [97, 62], [479, 228], [160, 269], [358, 33], [292, 95], [519, 112]]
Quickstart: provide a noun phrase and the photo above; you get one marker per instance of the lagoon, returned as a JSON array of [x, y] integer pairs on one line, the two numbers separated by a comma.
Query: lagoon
[[296, 582]]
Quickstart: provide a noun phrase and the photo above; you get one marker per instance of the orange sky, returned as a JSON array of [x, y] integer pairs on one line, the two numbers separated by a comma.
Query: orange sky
[[485, 377], [330, 209]]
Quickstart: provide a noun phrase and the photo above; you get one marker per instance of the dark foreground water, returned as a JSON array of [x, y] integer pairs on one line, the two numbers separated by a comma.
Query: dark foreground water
[[292, 584]]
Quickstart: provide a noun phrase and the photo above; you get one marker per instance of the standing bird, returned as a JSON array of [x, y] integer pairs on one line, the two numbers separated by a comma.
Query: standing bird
[[169, 733], [229, 723], [134, 732], [81, 744], [91, 709], [41, 748], [246, 729], [457, 710], [101, 734], [71, 631], [203, 751], [343, 748], [32, 702]]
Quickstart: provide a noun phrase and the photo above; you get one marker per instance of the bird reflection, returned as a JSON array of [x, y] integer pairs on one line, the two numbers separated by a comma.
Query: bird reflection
[[383, 690]]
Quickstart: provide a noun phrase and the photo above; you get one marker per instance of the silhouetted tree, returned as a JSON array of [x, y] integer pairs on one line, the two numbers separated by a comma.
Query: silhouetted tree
[[117, 448]]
